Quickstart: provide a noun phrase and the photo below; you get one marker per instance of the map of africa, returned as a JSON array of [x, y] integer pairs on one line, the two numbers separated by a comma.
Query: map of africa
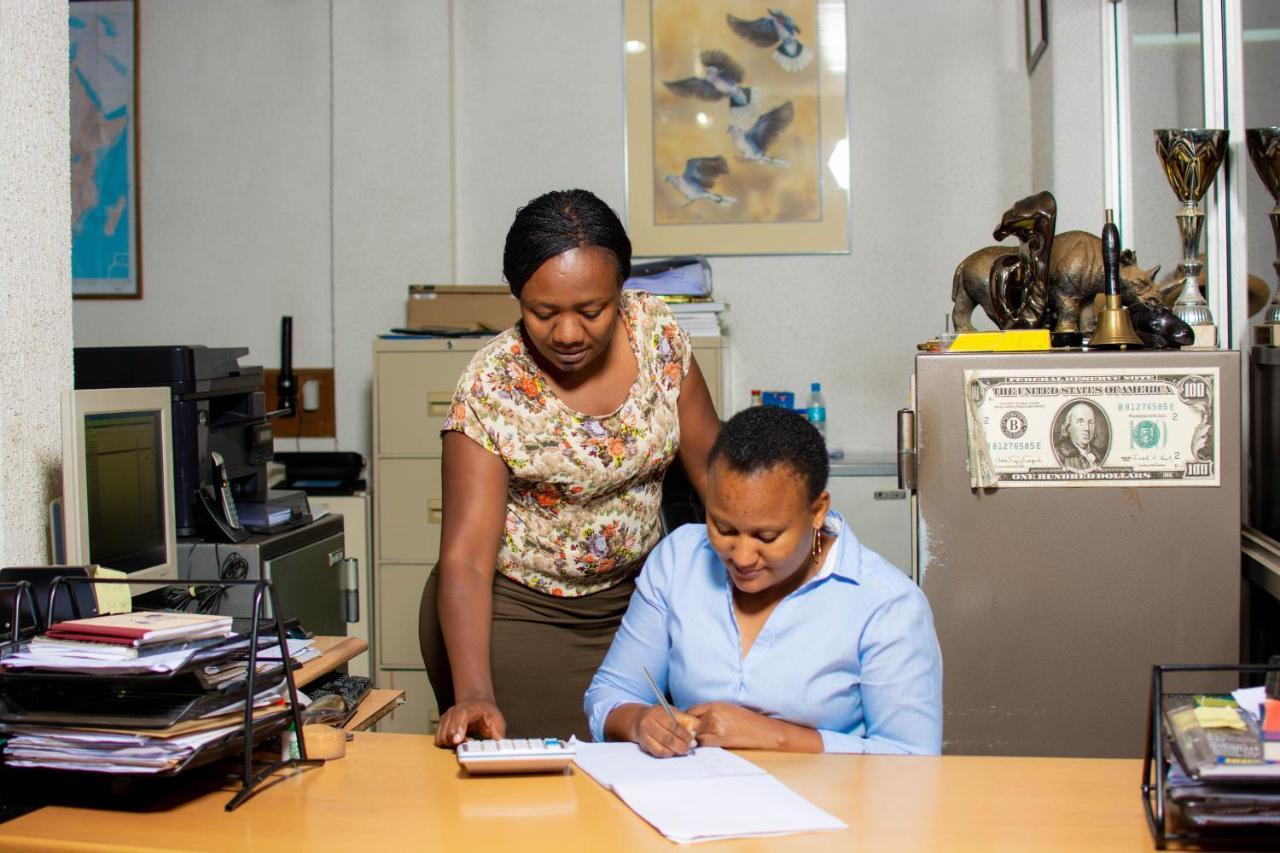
[[103, 251]]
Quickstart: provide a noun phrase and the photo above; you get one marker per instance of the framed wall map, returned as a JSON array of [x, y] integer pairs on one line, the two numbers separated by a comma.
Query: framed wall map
[[104, 180], [737, 127]]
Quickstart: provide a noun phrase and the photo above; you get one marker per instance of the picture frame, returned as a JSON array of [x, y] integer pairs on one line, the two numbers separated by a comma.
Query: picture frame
[[737, 137], [1036, 21], [105, 231]]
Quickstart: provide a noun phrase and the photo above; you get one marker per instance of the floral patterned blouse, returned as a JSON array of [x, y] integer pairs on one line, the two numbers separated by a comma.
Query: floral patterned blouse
[[582, 507]]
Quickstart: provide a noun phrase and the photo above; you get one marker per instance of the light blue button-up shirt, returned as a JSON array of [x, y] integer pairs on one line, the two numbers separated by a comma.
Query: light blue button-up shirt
[[851, 653]]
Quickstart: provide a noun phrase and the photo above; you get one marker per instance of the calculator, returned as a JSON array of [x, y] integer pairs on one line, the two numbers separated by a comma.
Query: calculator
[[518, 755]]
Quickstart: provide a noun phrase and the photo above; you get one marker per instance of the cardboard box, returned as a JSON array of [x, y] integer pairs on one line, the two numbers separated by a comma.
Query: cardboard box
[[472, 307]]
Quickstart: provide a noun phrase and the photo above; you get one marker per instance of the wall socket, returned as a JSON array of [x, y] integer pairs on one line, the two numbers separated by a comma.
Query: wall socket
[[314, 387]]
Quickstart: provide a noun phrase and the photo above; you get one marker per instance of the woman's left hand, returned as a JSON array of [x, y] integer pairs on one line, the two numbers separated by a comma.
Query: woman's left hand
[[726, 724]]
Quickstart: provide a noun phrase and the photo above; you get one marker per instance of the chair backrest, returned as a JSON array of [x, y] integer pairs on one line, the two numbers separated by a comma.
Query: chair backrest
[[680, 503]]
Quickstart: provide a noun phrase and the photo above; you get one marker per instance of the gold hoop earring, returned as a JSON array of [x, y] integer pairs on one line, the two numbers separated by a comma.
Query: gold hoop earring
[[817, 543]]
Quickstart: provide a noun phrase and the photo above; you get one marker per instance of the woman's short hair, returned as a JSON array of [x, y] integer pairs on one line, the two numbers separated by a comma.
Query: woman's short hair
[[756, 439], [556, 222]]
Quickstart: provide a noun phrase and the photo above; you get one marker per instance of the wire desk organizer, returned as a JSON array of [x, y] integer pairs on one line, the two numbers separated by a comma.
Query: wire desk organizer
[[1155, 759], [263, 592]]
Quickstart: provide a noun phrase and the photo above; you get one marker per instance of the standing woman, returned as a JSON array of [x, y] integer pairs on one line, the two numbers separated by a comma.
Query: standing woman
[[554, 452]]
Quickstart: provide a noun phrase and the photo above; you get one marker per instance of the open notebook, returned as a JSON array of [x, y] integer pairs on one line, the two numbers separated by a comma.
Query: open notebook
[[709, 795]]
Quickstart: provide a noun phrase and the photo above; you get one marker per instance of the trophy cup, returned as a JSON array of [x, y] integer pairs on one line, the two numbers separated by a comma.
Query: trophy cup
[[1264, 151], [1191, 159]]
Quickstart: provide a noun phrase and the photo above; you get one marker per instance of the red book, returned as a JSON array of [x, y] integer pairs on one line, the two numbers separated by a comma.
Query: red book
[[141, 627]]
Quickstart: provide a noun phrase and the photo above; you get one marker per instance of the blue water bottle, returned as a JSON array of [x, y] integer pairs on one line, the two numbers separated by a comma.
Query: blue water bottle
[[817, 408]]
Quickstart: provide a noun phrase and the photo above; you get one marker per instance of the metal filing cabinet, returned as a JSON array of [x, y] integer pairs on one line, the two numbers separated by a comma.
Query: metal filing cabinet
[[413, 384], [864, 489]]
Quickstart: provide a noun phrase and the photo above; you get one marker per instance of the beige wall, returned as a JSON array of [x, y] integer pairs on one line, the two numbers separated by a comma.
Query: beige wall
[[35, 269], [295, 159], [314, 157]]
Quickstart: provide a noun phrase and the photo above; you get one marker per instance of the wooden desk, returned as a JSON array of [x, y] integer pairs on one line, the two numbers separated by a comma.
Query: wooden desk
[[334, 652], [400, 792], [374, 707]]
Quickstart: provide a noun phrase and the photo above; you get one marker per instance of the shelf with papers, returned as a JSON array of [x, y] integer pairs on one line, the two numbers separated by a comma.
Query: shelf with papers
[[252, 727], [1163, 772]]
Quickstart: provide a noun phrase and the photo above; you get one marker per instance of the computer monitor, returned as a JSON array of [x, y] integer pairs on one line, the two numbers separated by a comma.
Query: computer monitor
[[117, 481]]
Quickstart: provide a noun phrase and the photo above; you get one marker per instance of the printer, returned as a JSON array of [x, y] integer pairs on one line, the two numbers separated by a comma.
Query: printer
[[223, 439], [222, 435]]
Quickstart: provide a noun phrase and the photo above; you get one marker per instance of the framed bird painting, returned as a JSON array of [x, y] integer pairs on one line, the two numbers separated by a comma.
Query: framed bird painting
[[737, 127]]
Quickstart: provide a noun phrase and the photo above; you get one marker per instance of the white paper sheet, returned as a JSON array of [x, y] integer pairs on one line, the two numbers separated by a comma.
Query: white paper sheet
[[164, 662], [614, 763], [711, 794], [1250, 699], [296, 648], [690, 810]]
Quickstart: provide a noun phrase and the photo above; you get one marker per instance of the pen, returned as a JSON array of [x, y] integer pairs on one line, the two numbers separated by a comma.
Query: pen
[[662, 700]]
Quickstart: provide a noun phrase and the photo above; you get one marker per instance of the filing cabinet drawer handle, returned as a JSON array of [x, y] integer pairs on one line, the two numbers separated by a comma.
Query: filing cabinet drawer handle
[[435, 511], [438, 403]]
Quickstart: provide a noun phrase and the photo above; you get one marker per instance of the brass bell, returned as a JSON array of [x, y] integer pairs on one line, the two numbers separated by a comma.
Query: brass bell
[[1115, 327]]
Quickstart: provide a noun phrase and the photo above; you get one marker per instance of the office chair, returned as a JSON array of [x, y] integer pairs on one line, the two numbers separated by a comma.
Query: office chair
[[680, 503]]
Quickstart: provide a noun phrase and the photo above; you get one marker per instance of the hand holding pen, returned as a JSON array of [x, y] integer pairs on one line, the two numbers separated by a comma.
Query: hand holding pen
[[661, 730]]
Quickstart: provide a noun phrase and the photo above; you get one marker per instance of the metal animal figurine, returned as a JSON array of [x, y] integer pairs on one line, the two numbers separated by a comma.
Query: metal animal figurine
[[1032, 220], [1158, 326], [1074, 276]]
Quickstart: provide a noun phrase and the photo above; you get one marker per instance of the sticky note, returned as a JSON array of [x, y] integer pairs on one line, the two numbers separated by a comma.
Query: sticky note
[[112, 597], [1219, 718]]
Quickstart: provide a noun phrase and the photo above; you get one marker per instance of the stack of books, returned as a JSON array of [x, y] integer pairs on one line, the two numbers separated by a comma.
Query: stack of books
[[126, 636], [685, 285], [149, 692]]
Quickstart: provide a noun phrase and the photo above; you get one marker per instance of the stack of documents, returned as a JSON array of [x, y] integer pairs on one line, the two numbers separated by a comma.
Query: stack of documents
[[685, 277], [706, 795], [1220, 775], [142, 628], [125, 750], [123, 643], [300, 650], [699, 319], [685, 284], [156, 693], [90, 662]]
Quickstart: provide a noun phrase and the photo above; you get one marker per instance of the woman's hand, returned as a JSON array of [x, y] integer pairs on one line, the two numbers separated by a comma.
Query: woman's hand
[[480, 717], [662, 738], [725, 724]]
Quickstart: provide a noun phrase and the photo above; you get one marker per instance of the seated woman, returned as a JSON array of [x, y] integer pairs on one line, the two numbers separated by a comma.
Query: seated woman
[[771, 625]]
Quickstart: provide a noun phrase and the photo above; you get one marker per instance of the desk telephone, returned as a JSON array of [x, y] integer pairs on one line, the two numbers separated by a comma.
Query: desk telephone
[[218, 512]]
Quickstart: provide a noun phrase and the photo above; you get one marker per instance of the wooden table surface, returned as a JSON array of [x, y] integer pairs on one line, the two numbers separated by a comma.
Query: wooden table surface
[[334, 652], [373, 708], [396, 791]]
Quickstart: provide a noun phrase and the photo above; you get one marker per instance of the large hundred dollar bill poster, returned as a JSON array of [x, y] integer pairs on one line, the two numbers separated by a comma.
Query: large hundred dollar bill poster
[[1085, 428]]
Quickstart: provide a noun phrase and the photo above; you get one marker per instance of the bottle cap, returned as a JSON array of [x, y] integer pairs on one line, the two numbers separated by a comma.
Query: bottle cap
[[816, 386]]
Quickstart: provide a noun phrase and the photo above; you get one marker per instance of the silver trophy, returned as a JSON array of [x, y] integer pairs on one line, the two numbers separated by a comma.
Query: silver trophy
[[1191, 158], [1264, 151]]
